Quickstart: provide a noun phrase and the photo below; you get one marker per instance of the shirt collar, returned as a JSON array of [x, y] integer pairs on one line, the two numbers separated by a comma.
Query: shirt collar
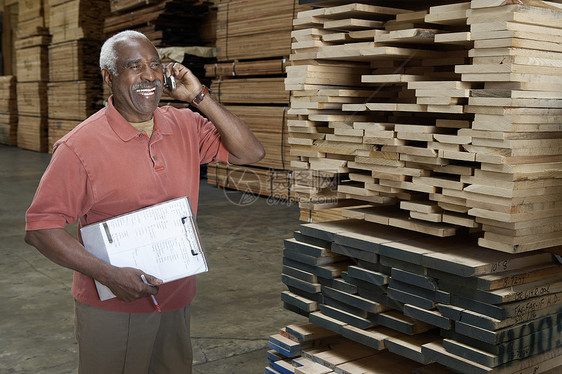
[[125, 130]]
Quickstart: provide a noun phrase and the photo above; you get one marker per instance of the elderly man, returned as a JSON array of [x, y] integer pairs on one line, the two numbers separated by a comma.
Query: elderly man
[[127, 156]]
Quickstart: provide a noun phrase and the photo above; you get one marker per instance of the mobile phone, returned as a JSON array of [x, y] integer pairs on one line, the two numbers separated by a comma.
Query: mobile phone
[[170, 82]]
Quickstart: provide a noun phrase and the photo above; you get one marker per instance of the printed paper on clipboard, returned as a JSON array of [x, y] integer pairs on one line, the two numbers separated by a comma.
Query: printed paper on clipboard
[[161, 240]]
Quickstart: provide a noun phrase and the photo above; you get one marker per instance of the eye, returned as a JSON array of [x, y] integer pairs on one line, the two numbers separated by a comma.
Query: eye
[[155, 65]]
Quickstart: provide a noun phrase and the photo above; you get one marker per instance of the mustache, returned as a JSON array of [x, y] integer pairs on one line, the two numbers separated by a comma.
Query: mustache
[[143, 85]]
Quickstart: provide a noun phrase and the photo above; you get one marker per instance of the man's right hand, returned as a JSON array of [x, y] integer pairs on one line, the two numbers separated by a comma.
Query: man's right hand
[[62, 248], [127, 284]]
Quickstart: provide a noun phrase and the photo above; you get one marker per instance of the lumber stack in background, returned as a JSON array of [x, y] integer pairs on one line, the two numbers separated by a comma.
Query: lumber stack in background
[[75, 89], [32, 72], [327, 76], [431, 302], [390, 104], [253, 43], [8, 110], [166, 22], [516, 194]]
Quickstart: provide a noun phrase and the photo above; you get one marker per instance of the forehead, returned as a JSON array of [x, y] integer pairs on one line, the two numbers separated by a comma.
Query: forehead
[[135, 49]]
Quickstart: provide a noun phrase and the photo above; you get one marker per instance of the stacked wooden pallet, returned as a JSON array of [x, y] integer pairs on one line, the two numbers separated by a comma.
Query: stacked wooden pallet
[[32, 72], [253, 43], [414, 133], [75, 91], [8, 110], [429, 300]]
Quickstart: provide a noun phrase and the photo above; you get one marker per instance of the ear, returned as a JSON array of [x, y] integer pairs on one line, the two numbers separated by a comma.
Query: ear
[[107, 77]]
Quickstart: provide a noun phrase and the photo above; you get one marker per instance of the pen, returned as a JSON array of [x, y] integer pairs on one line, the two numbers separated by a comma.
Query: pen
[[153, 298]]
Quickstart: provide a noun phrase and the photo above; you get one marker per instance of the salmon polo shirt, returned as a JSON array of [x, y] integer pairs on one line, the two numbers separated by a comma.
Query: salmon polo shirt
[[105, 167]]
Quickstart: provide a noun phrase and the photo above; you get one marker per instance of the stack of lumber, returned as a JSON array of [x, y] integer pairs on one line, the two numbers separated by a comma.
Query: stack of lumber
[[405, 108], [77, 20], [326, 76], [429, 300], [255, 29], [253, 44], [8, 110], [516, 133], [32, 72], [309, 349], [75, 91], [165, 22]]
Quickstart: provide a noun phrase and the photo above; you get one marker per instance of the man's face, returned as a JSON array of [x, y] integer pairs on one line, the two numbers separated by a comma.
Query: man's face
[[138, 86]]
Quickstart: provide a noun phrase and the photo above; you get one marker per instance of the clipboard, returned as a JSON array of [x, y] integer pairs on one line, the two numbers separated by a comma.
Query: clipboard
[[162, 240]]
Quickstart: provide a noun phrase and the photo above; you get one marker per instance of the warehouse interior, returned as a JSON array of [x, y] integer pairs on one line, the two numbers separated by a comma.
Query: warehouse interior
[[405, 218]]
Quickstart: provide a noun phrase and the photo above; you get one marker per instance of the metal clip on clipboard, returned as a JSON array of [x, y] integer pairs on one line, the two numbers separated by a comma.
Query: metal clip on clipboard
[[187, 225]]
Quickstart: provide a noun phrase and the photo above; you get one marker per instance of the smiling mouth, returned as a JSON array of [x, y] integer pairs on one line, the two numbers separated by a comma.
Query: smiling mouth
[[146, 91]]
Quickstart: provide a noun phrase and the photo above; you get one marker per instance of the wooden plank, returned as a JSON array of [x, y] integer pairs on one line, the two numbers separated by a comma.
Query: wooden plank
[[410, 346], [509, 294], [307, 331], [31, 98], [399, 322], [341, 353], [32, 64], [348, 317], [326, 322], [511, 278], [73, 20], [287, 347], [505, 334], [32, 133], [300, 274], [538, 363], [74, 100], [410, 299], [122, 5], [299, 302], [73, 56], [385, 362], [256, 91], [485, 358], [354, 300], [430, 316], [374, 337]]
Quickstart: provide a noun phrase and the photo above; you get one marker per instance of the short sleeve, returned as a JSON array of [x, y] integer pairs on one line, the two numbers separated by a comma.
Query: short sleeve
[[64, 192], [211, 148]]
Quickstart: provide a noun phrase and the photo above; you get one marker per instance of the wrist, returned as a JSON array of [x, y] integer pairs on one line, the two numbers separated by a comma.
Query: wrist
[[200, 96]]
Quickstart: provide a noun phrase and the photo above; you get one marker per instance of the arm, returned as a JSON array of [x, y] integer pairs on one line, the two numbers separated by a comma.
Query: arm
[[243, 146], [61, 248]]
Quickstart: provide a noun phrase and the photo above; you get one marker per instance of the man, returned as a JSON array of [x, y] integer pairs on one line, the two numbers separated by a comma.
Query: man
[[127, 156]]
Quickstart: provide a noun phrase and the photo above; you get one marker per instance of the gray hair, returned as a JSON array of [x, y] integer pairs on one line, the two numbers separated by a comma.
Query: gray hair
[[108, 53]]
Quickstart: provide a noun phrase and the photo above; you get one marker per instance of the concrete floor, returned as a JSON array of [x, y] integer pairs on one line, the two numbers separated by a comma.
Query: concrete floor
[[237, 308]]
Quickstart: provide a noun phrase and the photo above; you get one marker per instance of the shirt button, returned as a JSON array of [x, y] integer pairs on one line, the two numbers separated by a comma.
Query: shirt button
[[140, 135], [154, 158]]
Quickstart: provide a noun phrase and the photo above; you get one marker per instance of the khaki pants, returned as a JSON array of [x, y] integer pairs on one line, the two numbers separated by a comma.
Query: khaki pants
[[115, 342]]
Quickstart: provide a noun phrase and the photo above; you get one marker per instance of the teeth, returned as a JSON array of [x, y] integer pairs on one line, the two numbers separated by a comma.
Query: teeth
[[146, 91]]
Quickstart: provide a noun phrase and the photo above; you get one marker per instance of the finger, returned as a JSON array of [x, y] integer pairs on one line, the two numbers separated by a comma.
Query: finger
[[152, 281], [174, 68]]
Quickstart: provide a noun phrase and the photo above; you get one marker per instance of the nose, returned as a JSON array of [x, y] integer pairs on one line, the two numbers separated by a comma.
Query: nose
[[149, 73]]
